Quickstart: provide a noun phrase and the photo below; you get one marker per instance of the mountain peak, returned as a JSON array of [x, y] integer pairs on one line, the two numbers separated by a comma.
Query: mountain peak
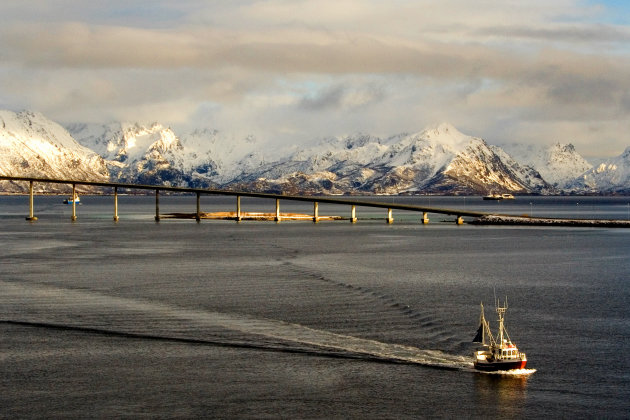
[[33, 145], [562, 148], [447, 135], [439, 159], [442, 128]]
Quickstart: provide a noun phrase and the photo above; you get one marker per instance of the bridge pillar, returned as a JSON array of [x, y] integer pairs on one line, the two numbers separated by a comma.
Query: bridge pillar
[[389, 219], [30, 217], [315, 212], [277, 218], [425, 218], [353, 214], [198, 215], [115, 204], [238, 208], [74, 203], [459, 220], [157, 205]]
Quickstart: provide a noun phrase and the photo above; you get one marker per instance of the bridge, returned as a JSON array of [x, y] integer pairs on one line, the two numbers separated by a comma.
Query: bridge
[[352, 203]]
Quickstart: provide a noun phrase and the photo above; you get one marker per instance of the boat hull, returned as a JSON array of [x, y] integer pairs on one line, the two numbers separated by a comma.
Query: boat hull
[[500, 365], [497, 197]]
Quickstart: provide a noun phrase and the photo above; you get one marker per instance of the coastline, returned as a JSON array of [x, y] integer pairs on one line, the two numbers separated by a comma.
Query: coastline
[[547, 221]]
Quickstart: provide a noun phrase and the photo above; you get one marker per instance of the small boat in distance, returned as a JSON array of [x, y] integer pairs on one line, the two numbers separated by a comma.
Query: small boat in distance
[[70, 200], [497, 197], [500, 353]]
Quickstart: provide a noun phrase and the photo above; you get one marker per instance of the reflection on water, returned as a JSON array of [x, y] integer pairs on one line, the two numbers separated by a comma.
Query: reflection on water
[[505, 392]]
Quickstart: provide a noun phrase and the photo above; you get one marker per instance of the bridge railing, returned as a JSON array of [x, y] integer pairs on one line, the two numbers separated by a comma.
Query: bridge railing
[[352, 202]]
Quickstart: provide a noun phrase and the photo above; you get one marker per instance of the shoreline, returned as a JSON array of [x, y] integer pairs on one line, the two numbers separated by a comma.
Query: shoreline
[[547, 221]]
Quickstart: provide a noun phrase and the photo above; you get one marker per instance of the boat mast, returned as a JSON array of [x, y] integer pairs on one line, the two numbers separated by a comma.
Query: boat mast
[[501, 312], [484, 331], [482, 322]]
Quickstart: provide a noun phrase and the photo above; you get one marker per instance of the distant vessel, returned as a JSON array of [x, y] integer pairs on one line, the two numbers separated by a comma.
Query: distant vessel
[[500, 353], [498, 197], [70, 200]]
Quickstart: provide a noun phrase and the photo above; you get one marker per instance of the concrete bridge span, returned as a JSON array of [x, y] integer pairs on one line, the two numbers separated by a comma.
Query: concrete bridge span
[[349, 201]]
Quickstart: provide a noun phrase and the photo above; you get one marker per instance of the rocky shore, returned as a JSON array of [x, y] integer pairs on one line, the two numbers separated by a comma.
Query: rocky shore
[[543, 221]]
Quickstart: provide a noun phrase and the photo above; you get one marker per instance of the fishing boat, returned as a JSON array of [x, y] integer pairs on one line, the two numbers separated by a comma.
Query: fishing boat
[[71, 200], [500, 353], [497, 197]]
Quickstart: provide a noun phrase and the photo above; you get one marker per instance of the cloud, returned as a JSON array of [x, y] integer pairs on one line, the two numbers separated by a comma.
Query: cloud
[[342, 96], [293, 70], [568, 33]]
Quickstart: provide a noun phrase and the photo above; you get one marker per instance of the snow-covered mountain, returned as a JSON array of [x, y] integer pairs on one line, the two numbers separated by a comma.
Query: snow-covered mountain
[[136, 153], [439, 159], [153, 153], [612, 176], [32, 145], [213, 156], [559, 164]]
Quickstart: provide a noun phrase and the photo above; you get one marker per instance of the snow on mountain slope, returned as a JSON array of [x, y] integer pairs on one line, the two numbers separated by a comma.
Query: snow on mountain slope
[[125, 142], [32, 145], [476, 167], [485, 169], [437, 159], [559, 164], [137, 153], [527, 175], [218, 157], [612, 176], [203, 157]]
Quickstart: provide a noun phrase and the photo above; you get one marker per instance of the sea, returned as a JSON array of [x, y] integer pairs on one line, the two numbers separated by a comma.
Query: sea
[[258, 319]]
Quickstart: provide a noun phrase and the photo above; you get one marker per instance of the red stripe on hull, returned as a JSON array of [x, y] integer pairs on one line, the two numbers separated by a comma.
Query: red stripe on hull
[[491, 367]]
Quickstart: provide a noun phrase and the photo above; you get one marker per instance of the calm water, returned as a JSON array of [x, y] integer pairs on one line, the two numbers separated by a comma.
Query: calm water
[[258, 319]]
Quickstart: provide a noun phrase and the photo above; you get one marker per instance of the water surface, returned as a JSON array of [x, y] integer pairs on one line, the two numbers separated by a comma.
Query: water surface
[[258, 319]]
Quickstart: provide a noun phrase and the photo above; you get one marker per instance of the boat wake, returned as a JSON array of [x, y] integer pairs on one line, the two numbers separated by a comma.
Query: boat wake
[[511, 372], [514, 372], [51, 306]]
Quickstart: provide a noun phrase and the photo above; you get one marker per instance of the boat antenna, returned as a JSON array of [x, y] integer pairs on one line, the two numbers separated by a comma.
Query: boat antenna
[[501, 313]]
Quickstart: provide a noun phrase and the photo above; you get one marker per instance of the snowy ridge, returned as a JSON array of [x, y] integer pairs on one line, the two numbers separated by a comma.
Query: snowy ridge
[[135, 152], [439, 159], [155, 154], [32, 145], [612, 176], [559, 164], [216, 157]]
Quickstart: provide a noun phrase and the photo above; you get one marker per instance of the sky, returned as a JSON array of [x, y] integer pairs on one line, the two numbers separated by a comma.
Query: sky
[[291, 71]]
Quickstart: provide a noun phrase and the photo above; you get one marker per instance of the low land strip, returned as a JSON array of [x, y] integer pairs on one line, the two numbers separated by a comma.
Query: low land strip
[[231, 215], [544, 221]]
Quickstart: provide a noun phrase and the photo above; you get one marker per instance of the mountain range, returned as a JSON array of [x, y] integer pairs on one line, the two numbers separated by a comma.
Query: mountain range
[[437, 160]]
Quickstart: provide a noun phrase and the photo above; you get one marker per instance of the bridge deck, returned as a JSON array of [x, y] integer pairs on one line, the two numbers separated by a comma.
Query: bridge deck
[[313, 199]]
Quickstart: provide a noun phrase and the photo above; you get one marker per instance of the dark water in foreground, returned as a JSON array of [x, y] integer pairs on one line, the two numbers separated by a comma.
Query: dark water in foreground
[[257, 319]]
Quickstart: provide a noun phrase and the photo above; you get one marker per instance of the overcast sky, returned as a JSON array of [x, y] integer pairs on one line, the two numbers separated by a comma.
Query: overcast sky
[[535, 71]]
